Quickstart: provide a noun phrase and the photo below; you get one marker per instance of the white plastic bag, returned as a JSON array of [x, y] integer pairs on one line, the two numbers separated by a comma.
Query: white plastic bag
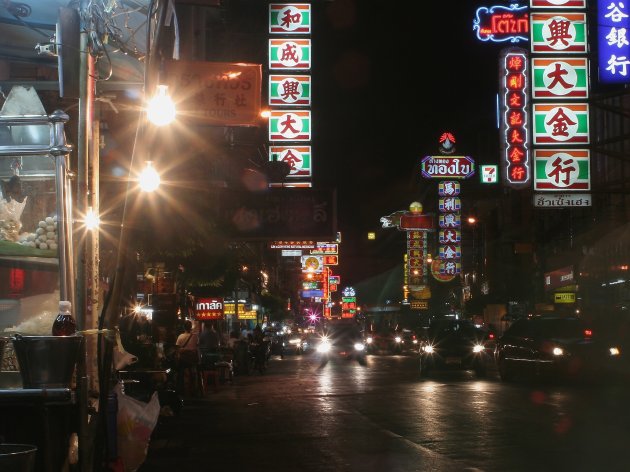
[[135, 423]]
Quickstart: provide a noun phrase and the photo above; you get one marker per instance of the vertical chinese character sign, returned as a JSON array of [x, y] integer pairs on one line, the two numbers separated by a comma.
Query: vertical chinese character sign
[[290, 90], [560, 90], [613, 37]]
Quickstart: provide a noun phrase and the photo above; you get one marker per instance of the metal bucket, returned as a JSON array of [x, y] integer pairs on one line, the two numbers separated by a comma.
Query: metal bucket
[[47, 361], [17, 457]]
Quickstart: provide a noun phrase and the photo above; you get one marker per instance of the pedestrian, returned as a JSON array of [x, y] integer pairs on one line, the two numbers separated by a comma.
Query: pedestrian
[[188, 360]]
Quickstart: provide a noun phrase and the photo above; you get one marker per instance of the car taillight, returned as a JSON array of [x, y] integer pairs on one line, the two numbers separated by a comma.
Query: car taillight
[[491, 336], [588, 333]]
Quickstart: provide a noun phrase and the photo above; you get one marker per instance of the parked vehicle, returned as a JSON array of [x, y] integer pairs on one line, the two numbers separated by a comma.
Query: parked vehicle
[[562, 347], [454, 344]]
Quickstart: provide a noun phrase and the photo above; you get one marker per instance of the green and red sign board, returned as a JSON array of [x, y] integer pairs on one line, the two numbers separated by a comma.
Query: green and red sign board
[[558, 32], [287, 125], [560, 170], [297, 157], [290, 90], [289, 54], [559, 78], [292, 18], [561, 123], [555, 4]]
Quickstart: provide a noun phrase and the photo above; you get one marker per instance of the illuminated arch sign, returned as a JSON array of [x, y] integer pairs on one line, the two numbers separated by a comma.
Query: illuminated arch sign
[[500, 23]]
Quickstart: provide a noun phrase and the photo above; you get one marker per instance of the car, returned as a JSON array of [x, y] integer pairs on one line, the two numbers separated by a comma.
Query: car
[[454, 344], [296, 343], [556, 347], [410, 342], [341, 338]]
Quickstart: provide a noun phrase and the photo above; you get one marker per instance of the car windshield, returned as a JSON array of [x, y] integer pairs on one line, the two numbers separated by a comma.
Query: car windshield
[[446, 327]]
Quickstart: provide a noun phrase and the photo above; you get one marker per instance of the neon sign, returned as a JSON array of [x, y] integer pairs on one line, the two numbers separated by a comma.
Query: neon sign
[[515, 165], [613, 25], [500, 23]]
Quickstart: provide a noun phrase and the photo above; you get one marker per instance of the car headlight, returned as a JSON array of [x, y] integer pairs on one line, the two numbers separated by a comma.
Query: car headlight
[[415, 341], [295, 341], [478, 348], [359, 346], [369, 340], [614, 351], [324, 346], [427, 348], [557, 351], [398, 339]]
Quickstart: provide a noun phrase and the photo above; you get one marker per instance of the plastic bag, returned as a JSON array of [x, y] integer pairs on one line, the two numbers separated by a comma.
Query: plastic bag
[[135, 423]]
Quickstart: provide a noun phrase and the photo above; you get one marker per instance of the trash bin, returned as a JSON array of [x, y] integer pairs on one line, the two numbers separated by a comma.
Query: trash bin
[[17, 457]]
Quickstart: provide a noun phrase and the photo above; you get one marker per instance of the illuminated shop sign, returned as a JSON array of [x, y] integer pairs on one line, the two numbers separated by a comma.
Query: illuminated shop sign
[[613, 31], [562, 200], [454, 167], [562, 78], [561, 123], [298, 159], [488, 174], [209, 308], [289, 125], [290, 90], [290, 18], [515, 164], [500, 23], [289, 54], [555, 4], [558, 32], [561, 170]]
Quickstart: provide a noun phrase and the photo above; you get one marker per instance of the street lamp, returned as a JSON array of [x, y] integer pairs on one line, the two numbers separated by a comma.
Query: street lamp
[[160, 108], [149, 179]]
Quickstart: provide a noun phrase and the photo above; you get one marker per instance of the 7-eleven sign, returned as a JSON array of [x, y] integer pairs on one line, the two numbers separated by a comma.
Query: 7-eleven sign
[[287, 54], [291, 90], [561, 123], [297, 157], [290, 19], [560, 170], [289, 125]]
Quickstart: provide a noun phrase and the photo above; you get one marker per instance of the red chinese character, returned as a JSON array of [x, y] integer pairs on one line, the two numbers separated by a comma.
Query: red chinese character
[[515, 137], [288, 18], [515, 154], [515, 100], [515, 82], [561, 123], [515, 63], [559, 32], [518, 173], [515, 118]]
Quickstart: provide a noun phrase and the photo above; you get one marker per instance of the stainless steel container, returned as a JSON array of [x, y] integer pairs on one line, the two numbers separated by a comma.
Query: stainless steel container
[[17, 457], [47, 361]]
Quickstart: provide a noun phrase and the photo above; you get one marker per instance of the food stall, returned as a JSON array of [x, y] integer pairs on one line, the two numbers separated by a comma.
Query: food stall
[[36, 269]]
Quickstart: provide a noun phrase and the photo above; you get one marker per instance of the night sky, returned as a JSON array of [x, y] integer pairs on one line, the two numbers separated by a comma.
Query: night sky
[[388, 80]]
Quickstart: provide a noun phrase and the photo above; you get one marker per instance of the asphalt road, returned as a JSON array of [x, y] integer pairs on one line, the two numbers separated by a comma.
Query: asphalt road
[[384, 417]]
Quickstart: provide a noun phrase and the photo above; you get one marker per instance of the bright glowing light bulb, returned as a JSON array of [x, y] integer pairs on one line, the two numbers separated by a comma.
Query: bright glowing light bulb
[[149, 179], [91, 219], [161, 109]]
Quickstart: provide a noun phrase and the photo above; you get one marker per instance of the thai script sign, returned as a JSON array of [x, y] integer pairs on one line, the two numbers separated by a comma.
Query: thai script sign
[[292, 245], [209, 308], [558, 32], [454, 167], [613, 38], [290, 90], [289, 18], [562, 277], [289, 125], [501, 23], [561, 123], [289, 54], [559, 78], [216, 93], [562, 169], [562, 200]]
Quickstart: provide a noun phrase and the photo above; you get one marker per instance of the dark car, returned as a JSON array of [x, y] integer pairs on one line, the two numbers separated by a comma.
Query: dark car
[[341, 338], [450, 343], [561, 347]]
